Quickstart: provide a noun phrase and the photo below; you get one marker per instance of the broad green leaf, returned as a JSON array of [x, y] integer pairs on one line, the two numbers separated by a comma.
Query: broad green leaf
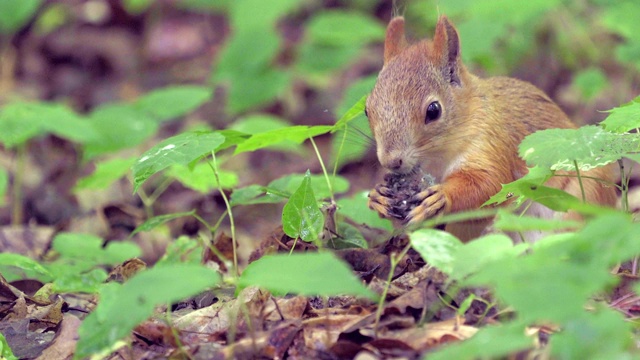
[[590, 82], [503, 340], [232, 138], [536, 175], [136, 7], [182, 250], [299, 274], [590, 146], [250, 91], [201, 178], [301, 216], [180, 149], [356, 110], [356, 208], [90, 248], [260, 123], [287, 184], [21, 121], [15, 14], [349, 237], [343, 28], [600, 334], [118, 127], [623, 118], [297, 134], [85, 282], [476, 254], [23, 262], [507, 221], [156, 221], [253, 194], [172, 102], [316, 62], [106, 173], [123, 307], [5, 350], [436, 247], [4, 185], [269, 13]]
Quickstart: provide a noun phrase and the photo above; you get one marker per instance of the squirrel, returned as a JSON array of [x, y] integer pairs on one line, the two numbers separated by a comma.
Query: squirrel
[[428, 111]]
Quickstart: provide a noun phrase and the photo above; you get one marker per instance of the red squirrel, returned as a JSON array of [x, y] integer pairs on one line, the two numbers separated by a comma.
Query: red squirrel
[[427, 111]]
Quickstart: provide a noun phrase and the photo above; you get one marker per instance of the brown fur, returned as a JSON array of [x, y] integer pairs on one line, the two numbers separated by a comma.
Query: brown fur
[[473, 147]]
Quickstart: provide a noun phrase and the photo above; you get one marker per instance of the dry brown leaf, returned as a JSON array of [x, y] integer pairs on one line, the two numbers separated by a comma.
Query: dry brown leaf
[[64, 344]]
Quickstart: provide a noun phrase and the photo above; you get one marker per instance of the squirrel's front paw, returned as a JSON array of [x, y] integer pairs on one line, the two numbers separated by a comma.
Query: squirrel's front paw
[[431, 202], [380, 200]]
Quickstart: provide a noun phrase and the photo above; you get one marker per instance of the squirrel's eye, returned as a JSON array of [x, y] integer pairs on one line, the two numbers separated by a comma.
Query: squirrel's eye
[[433, 112]]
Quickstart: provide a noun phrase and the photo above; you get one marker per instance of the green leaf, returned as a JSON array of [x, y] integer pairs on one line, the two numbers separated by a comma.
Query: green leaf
[[349, 237], [590, 82], [295, 134], [356, 208], [201, 178], [252, 194], [269, 13], [476, 254], [288, 184], [136, 7], [15, 14], [182, 250], [23, 263], [507, 221], [623, 118], [260, 123], [118, 127], [20, 122], [4, 185], [298, 273], [90, 248], [172, 102], [356, 110], [180, 149], [106, 173], [603, 334], [123, 307], [85, 282], [5, 350], [344, 28], [504, 339], [436, 247], [156, 221], [536, 175], [590, 146], [316, 61], [301, 216]]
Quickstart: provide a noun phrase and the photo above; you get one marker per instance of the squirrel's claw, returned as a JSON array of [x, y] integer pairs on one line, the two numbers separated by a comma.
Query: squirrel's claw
[[433, 202], [379, 202]]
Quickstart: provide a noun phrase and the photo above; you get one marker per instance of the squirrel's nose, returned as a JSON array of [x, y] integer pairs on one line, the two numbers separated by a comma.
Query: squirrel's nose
[[394, 164]]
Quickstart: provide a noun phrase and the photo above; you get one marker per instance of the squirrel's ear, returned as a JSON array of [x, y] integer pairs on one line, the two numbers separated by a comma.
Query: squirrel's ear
[[395, 40], [446, 44]]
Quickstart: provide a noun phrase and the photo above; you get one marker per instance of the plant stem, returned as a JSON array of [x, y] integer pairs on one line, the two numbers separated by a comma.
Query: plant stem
[[18, 179], [624, 181], [234, 242], [394, 263], [324, 169], [584, 197], [344, 138]]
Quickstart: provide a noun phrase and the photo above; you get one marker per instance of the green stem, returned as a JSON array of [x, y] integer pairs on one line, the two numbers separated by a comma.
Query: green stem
[[17, 209], [624, 181], [344, 138], [234, 242], [394, 263], [584, 197], [324, 169]]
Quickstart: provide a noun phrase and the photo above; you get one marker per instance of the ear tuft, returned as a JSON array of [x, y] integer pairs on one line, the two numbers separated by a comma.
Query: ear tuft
[[395, 40], [446, 45]]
